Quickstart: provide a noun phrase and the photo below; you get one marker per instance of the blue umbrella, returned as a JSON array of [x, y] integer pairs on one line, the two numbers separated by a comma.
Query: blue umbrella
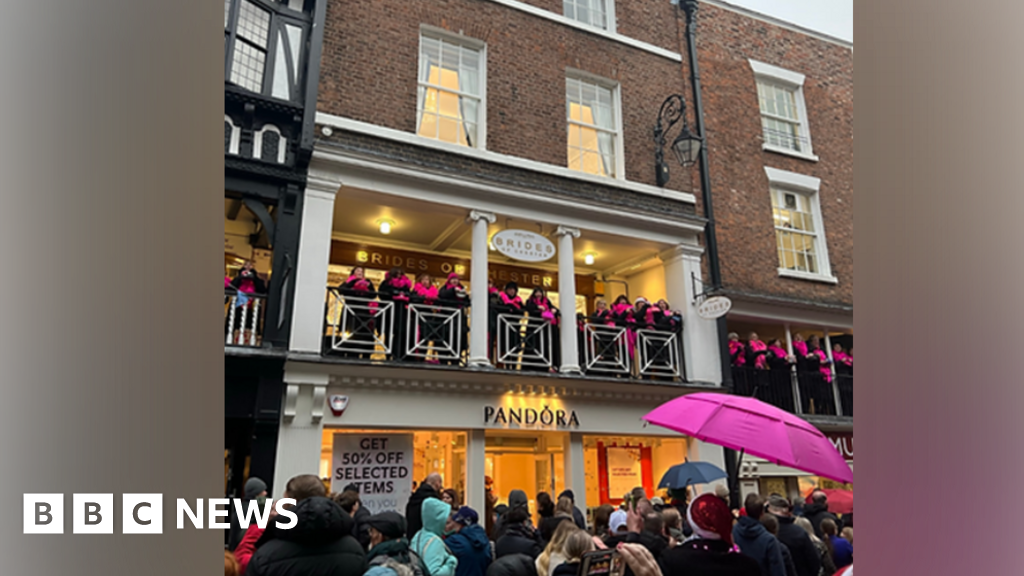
[[683, 475]]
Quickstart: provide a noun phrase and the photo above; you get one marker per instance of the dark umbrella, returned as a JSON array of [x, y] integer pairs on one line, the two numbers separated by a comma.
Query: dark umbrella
[[683, 475]]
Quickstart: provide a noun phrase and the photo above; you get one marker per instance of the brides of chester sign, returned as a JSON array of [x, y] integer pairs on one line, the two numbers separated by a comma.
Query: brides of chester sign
[[523, 245]]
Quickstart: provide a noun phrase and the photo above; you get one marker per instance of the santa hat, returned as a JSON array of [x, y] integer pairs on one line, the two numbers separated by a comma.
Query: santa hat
[[710, 518]]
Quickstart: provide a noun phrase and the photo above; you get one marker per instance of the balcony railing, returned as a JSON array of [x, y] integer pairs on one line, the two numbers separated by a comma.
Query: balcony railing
[[244, 316], [526, 343], [800, 392], [390, 331]]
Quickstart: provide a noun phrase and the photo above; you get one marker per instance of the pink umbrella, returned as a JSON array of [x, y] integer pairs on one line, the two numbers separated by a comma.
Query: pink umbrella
[[749, 425]]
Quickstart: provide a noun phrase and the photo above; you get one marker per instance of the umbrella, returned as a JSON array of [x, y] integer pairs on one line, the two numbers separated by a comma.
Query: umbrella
[[749, 425], [683, 475], [839, 501]]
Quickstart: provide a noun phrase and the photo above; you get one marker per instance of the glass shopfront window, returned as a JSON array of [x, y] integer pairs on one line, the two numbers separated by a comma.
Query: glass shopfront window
[[533, 462], [368, 462], [616, 464]]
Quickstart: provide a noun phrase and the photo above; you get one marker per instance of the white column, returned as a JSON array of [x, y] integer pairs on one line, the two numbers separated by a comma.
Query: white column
[[475, 459], [700, 336], [793, 378], [311, 267], [576, 470], [479, 297], [567, 298], [835, 384], [301, 433]]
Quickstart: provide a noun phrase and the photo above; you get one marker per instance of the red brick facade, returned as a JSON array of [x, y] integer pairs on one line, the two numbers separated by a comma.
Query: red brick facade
[[369, 73], [371, 54], [743, 211]]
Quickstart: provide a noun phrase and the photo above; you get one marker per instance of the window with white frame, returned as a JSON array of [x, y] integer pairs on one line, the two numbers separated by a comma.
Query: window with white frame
[[799, 233], [595, 13], [780, 96], [450, 104], [593, 134]]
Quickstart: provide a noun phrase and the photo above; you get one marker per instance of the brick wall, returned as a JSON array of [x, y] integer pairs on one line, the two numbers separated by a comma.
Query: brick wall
[[371, 54], [743, 211]]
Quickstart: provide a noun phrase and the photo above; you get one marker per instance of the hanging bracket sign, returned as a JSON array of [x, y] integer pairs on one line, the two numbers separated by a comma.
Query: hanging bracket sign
[[714, 307], [523, 245]]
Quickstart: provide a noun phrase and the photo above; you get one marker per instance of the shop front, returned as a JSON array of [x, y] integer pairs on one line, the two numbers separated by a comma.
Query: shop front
[[394, 431], [763, 477]]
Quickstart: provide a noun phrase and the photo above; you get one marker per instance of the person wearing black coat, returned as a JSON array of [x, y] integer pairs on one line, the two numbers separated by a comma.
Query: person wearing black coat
[[577, 515], [454, 294], [361, 323], [319, 544], [513, 565], [817, 511], [805, 555], [396, 287], [519, 536], [353, 506], [430, 488]]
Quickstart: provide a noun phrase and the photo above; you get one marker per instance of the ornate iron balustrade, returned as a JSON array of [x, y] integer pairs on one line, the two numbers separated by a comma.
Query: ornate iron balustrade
[[526, 342], [362, 326], [244, 316], [435, 333], [606, 350], [658, 353]]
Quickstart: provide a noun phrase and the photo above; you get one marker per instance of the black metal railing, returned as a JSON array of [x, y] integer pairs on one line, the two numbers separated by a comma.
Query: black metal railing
[[368, 328], [800, 392], [244, 316]]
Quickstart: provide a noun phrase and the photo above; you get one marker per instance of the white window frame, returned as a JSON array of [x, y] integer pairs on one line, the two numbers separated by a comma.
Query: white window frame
[[465, 42], [616, 89], [795, 81], [609, 17], [808, 186]]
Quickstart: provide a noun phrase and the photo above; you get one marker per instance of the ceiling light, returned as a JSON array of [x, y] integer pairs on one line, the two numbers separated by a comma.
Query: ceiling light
[[589, 258], [385, 226]]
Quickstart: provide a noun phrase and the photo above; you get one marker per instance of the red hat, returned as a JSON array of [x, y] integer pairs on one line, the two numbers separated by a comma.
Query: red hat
[[453, 275], [709, 516]]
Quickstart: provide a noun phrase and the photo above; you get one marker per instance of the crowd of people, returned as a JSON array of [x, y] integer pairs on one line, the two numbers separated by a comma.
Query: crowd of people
[[765, 369], [438, 302], [336, 536]]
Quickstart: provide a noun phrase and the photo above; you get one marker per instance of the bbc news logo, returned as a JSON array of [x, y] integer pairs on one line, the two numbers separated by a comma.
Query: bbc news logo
[[143, 513]]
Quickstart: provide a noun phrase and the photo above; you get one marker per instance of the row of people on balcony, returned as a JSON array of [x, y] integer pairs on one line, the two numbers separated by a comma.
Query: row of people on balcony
[[396, 287], [807, 356]]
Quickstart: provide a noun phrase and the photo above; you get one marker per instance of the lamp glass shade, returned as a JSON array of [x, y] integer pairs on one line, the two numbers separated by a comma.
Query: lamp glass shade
[[687, 148]]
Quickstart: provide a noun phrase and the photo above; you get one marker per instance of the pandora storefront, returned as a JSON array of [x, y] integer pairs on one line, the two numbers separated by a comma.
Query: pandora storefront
[[386, 431]]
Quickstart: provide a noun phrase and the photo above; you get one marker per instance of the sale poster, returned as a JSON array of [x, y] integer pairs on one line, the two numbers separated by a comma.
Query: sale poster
[[380, 465], [624, 471]]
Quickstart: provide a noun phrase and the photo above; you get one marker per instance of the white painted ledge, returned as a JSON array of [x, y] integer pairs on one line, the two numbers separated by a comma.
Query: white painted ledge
[[368, 129]]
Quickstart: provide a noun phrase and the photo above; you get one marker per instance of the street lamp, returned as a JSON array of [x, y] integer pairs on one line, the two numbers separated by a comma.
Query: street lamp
[[686, 146]]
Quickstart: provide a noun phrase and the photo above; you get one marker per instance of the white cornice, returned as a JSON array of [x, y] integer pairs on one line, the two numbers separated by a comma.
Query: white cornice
[[368, 129], [555, 17], [780, 23]]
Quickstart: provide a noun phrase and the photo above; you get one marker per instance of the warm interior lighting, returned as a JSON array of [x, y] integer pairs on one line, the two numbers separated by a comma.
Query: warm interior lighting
[[584, 152], [589, 258], [385, 226], [442, 115]]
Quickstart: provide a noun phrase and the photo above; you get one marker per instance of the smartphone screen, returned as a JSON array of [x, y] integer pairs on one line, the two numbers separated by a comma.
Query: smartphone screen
[[602, 563]]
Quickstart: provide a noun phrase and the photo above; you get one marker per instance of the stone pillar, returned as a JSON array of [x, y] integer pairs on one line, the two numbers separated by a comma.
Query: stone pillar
[[700, 336], [311, 267], [567, 299], [576, 471], [301, 432], [475, 460], [478, 356]]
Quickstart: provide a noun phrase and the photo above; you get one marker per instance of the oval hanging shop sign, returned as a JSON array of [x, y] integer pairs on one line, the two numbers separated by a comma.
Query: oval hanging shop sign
[[523, 245], [714, 307]]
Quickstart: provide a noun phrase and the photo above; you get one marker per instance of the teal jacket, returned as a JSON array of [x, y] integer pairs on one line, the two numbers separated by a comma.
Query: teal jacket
[[429, 544]]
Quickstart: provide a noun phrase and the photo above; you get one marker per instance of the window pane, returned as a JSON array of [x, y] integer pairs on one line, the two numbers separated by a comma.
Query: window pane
[[247, 66], [253, 23], [446, 69], [227, 12]]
